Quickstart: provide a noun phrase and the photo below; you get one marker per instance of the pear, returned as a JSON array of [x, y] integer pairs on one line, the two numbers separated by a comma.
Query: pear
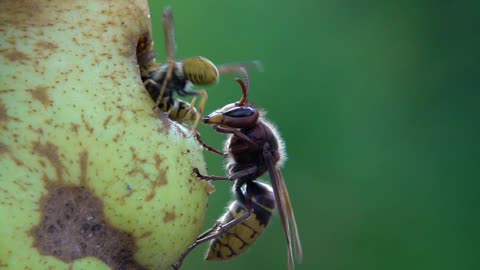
[[90, 176]]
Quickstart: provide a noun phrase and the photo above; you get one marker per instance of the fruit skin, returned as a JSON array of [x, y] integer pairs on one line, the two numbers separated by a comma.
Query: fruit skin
[[74, 113]]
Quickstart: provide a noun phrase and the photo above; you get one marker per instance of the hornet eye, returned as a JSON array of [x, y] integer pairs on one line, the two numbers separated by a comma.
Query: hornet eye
[[240, 112]]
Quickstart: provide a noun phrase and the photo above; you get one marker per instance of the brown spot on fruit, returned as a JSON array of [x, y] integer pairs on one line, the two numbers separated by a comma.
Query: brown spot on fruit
[[161, 178], [27, 13], [3, 113], [73, 226], [169, 216], [160, 181], [5, 150], [41, 94], [50, 151], [74, 127], [86, 124], [23, 186], [107, 120], [46, 45], [4, 117], [83, 161], [3, 91], [138, 170], [158, 160], [146, 234], [123, 198], [136, 157], [14, 55]]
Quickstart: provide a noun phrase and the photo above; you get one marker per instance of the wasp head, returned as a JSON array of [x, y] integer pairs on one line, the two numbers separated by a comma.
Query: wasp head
[[240, 114], [234, 115]]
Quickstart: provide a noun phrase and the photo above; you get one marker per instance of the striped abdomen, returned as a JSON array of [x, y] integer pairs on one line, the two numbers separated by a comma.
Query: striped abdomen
[[240, 237], [178, 110]]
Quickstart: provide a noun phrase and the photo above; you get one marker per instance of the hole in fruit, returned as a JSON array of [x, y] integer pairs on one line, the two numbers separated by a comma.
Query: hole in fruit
[[145, 53]]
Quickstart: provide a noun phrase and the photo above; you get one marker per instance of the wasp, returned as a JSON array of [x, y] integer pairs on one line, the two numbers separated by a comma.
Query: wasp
[[253, 148], [162, 81]]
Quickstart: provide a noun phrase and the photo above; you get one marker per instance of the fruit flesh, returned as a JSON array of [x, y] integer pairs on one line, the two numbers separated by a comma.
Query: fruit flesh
[[75, 117]]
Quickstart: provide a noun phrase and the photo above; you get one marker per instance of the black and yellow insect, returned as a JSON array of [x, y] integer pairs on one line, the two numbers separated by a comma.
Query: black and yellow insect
[[162, 81], [253, 149]]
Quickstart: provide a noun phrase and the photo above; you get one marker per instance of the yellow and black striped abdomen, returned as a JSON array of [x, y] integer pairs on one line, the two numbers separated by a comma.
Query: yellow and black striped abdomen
[[240, 237], [178, 110]]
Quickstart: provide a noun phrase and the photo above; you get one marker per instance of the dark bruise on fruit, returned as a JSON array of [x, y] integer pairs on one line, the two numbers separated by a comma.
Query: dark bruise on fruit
[[72, 222], [73, 226]]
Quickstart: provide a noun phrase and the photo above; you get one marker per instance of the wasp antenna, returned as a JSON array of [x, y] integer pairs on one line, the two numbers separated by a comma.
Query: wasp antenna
[[245, 78], [243, 100], [169, 32], [245, 83]]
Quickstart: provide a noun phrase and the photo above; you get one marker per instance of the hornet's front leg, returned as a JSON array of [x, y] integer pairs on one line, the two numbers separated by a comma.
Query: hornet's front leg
[[208, 147], [231, 177]]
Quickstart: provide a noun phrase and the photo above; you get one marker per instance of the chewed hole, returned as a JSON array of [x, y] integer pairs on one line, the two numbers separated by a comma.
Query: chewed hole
[[144, 52]]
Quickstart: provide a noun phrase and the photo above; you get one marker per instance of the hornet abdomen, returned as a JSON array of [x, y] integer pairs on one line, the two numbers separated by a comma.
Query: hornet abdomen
[[240, 237]]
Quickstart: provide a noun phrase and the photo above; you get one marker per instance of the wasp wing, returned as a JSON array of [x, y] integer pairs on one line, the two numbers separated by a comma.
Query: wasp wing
[[236, 68], [169, 31], [296, 236], [284, 208]]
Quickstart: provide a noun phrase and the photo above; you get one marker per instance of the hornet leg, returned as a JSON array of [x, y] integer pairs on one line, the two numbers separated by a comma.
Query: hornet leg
[[231, 177]]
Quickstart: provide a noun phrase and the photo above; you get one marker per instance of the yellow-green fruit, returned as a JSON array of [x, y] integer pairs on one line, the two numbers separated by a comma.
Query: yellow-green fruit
[[90, 176]]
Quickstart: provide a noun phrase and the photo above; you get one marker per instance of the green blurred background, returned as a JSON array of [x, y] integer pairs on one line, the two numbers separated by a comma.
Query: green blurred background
[[378, 104]]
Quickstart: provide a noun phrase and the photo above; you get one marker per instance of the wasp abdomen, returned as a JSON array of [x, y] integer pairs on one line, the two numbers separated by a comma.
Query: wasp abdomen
[[178, 110], [200, 71], [239, 238]]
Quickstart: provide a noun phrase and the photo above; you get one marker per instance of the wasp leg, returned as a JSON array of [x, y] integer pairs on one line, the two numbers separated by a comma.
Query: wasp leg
[[208, 147], [204, 96], [231, 177], [217, 230], [192, 104], [167, 78], [148, 82], [252, 145], [189, 112]]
